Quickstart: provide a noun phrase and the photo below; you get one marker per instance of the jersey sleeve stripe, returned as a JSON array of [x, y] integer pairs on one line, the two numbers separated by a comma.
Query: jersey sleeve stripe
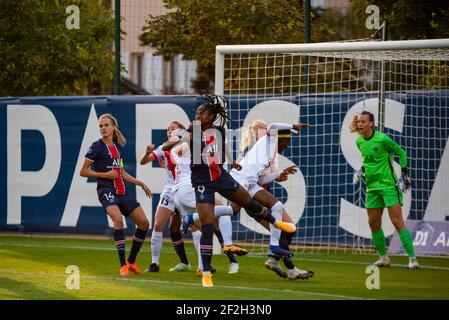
[[155, 156]]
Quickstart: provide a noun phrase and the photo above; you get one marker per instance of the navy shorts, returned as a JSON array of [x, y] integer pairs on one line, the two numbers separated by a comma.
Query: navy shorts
[[225, 185], [126, 202]]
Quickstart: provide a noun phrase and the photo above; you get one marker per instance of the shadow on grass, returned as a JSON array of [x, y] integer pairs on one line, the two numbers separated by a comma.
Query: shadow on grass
[[28, 291]]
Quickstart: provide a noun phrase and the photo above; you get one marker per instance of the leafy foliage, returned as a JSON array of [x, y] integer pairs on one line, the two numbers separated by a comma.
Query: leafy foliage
[[193, 28], [40, 56]]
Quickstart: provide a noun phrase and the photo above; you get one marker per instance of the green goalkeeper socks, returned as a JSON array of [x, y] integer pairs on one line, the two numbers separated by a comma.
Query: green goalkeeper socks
[[407, 242], [379, 242]]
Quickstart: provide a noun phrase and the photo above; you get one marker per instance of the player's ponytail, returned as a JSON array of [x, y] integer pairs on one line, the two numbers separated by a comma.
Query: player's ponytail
[[250, 134], [353, 125], [118, 135]]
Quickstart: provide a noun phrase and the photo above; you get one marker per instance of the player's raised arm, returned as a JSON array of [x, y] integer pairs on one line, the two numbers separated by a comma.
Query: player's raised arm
[[180, 137], [148, 156], [286, 126]]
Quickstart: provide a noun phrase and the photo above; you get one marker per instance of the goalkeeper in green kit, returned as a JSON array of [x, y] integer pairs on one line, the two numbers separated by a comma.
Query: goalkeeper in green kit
[[383, 188]]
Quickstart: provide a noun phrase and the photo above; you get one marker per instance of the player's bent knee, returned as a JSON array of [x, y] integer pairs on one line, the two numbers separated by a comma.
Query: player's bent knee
[[118, 224], [158, 226], [144, 225]]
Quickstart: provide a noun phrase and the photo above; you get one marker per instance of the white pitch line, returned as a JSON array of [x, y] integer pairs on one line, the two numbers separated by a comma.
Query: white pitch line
[[29, 273], [298, 256]]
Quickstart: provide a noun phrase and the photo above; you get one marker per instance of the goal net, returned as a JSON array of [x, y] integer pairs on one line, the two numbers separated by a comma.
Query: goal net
[[404, 83]]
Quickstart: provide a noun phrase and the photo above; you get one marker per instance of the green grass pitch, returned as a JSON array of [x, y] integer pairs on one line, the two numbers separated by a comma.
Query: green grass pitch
[[35, 268]]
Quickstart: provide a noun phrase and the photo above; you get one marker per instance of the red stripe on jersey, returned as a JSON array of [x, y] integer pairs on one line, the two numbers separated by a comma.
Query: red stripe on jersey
[[155, 156], [119, 185], [214, 169], [212, 161], [171, 165]]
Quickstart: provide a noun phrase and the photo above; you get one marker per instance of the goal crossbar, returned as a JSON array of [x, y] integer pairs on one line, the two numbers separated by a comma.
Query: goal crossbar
[[307, 48]]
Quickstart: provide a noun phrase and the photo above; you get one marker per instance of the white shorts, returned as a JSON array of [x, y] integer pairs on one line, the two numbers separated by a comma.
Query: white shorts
[[166, 201], [251, 186], [184, 199]]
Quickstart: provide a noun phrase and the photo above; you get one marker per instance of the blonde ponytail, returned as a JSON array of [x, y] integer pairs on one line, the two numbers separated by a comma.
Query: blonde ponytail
[[118, 135], [353, 125], [250, 134]]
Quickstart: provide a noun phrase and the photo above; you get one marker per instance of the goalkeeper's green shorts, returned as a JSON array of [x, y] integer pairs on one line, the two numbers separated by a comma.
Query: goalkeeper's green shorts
[[384, 198]]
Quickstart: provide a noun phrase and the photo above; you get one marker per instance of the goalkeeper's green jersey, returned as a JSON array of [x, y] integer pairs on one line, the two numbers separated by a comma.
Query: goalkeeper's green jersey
[[377, 158]]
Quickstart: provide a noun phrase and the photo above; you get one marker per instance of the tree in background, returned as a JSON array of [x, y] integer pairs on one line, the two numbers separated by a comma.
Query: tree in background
[[193, 28], [40, 56], [411, 19], [407, 19]]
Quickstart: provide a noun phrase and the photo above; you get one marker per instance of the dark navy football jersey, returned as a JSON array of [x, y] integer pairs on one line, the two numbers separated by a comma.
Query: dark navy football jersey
[[207, 154], [105, 158]]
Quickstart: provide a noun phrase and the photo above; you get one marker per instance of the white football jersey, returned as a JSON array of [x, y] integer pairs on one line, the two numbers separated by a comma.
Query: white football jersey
[[170, 166], [183, 172], [259, 158]]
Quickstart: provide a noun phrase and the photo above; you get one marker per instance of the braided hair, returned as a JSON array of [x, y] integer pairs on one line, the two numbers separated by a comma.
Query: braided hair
[[217, 106]]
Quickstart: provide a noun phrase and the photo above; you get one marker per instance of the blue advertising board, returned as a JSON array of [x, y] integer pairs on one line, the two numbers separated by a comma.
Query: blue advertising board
[[45, 139]]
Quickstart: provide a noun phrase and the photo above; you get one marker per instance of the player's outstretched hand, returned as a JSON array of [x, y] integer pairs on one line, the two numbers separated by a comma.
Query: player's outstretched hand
[[404, 183], [150, 149], [290, 170], [299, 126], [283, 177], [235, 165]]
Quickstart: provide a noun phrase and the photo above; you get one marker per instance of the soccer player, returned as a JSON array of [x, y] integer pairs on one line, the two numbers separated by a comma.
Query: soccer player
[[207, 145], [259, 166], [383, 189], [104, 162], [185, 202], [165, 210]]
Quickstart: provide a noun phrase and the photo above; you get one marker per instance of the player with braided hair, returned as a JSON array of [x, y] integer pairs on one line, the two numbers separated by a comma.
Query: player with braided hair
[[207, 145]]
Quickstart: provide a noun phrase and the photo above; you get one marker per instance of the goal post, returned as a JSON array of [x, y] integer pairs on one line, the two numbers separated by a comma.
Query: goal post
[[268, 82]]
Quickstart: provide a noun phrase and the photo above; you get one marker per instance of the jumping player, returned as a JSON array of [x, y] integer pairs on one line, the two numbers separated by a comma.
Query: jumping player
[[207, 145], [259, 166], [185, 202]]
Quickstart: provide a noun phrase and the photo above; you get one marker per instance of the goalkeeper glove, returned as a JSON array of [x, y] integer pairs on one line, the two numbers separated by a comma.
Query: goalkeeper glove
[[404, 183], [358, 175]]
